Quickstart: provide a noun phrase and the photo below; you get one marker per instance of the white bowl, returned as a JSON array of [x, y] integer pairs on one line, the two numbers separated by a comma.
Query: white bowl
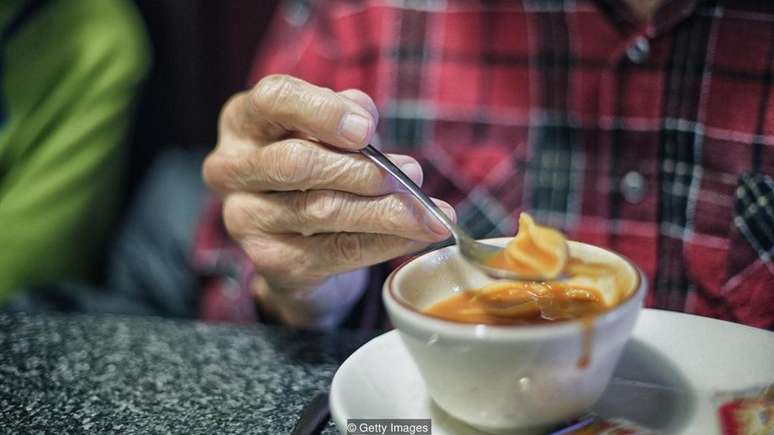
[[505, 378]]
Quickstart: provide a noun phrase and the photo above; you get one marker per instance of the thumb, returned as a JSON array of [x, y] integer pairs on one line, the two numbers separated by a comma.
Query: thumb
[[363, 100]]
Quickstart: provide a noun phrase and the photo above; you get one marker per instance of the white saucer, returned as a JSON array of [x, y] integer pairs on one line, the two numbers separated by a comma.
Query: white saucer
[[670, 369]]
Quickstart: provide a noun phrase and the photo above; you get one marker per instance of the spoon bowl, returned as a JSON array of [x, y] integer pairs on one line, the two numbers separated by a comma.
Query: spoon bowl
[[477, 253]]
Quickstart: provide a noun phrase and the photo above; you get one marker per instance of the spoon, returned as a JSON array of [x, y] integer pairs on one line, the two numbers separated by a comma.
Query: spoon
[[477, 253]]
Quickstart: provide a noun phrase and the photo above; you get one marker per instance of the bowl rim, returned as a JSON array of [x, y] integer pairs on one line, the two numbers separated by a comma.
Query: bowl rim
[[450, 328]]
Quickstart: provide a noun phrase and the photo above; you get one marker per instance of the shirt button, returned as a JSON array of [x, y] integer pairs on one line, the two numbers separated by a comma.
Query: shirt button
[[633, 187], [639, 50]]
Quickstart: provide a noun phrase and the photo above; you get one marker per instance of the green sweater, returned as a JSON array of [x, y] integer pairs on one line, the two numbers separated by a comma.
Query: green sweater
[[69, 75]]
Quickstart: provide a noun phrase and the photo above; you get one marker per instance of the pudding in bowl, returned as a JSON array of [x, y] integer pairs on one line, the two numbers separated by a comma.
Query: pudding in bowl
[[517, 376]]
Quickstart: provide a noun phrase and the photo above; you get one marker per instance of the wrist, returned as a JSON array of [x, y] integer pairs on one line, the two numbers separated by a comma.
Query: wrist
[[323, 306]]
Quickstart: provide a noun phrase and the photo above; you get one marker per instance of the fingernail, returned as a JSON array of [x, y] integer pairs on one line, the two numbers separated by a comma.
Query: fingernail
[[355, 128], [435, 225], [413, 171]]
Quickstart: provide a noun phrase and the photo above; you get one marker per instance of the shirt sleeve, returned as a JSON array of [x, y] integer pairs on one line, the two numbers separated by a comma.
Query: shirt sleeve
[[73, 73]]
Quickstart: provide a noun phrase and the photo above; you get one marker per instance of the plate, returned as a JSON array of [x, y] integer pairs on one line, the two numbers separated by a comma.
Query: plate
[[666, 378]]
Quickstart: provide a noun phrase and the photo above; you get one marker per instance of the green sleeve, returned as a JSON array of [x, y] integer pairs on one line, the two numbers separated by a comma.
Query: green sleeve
[[71, 75]]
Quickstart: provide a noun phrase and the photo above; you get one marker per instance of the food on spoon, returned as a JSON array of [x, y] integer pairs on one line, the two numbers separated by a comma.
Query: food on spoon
[[537, 252]]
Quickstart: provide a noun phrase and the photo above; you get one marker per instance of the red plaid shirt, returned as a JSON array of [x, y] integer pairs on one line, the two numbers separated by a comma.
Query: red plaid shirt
[[654, 140]]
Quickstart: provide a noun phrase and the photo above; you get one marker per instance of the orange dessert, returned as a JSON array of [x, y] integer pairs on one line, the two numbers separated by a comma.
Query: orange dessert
[[537, 252]]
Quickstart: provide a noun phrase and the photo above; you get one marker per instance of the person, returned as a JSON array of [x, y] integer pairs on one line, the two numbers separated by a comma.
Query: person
[[70, 72], [643, 127]]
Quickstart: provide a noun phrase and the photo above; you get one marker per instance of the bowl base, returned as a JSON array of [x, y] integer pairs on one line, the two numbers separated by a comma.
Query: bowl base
[[439, 413]]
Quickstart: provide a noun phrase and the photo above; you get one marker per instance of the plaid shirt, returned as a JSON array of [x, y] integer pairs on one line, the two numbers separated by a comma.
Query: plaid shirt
[[654, 140]]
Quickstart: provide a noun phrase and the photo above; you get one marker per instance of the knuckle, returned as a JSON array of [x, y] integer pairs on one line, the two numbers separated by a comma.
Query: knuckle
[[211, 173], [267, 255], [325, 103], [236, 216], [273, 92], [287, 262], [321, 206], [230, 108], [340, 170], [369, 176], [222, 173], [347, 248], [350, 173], [391, 216], [248, 216], [294, 165], [394, 212]]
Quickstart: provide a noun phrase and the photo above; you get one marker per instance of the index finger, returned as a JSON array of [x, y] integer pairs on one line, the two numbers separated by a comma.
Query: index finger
[[280, 105]]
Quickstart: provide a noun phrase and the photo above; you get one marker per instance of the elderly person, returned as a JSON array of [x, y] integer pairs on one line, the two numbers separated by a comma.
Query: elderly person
[[644, 127]]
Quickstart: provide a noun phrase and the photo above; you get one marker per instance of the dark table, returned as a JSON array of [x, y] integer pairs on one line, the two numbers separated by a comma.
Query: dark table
[[83, 373]]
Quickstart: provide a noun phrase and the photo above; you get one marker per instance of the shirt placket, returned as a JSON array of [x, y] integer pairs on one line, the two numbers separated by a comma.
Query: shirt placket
[[629, 185], [632, 179]]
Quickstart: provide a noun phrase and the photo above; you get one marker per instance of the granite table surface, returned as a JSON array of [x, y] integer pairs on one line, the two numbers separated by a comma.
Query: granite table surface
[[64, 373]]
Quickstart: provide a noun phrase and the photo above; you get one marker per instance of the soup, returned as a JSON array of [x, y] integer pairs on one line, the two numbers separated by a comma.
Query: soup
[[536, 252], [521, 303], [565, 288]]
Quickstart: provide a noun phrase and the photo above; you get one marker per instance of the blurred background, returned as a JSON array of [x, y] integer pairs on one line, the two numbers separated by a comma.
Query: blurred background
[[115, 234], [202, 52], [90, 222]]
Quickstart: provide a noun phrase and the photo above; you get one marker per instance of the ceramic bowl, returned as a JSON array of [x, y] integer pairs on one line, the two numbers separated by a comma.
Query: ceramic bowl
[[508, 378]]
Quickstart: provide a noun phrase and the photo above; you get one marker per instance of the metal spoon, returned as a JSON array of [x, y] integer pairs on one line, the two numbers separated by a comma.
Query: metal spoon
[[475, 252]]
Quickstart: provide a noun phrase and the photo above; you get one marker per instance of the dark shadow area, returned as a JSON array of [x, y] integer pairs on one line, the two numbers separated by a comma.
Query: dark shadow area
[[308, 347], [202, 52]]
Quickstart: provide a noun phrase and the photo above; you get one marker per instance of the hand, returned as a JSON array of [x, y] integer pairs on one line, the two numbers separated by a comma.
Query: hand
[[302, 204]]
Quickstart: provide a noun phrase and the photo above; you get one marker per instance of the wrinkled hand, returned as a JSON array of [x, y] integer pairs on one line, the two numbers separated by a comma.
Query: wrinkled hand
[[303, 205]]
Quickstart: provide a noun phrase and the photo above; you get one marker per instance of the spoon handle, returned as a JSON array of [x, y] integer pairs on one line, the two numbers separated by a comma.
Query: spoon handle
[[313, 417], [380, 159]]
